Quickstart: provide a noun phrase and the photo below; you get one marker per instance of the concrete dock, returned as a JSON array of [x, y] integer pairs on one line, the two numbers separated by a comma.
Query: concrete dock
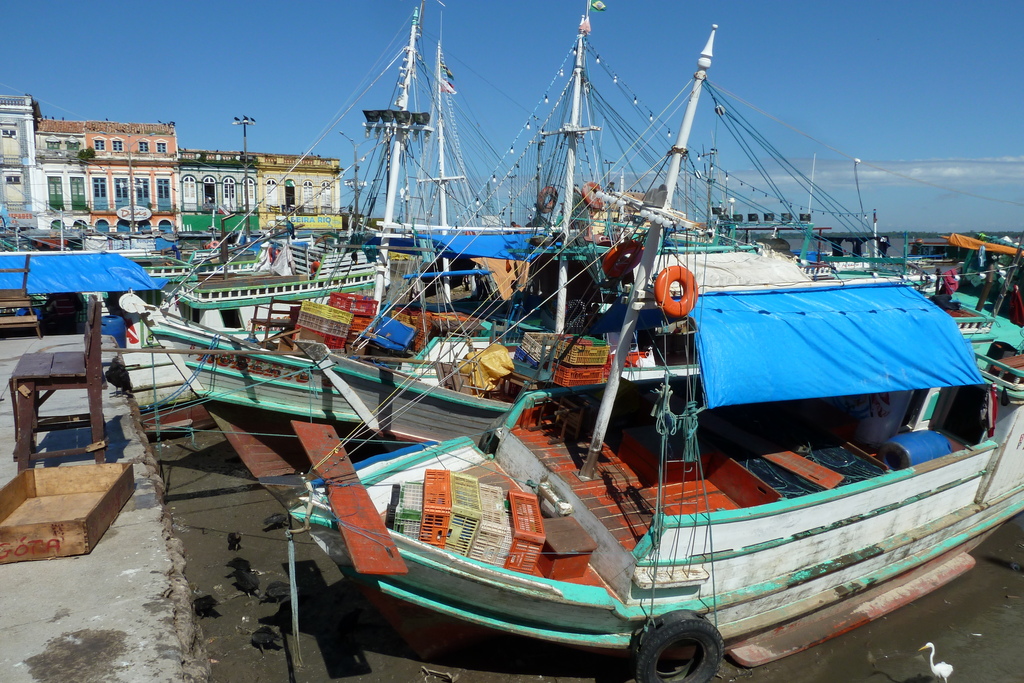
[[122, 612]]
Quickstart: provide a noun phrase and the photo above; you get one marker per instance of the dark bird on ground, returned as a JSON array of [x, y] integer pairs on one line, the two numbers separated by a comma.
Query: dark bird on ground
[[263, 637], [349, 621], [239, 563], [276, 591], [247, 582], [234, 541], [204, 605], [117, 374], [278, 520]]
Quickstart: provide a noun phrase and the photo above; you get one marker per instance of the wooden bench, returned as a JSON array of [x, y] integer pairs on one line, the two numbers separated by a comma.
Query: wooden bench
[[38, 375], [13, 299]]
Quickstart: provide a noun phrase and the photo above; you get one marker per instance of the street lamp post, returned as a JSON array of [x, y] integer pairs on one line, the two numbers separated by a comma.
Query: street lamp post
[[245, 122], [355, 181]]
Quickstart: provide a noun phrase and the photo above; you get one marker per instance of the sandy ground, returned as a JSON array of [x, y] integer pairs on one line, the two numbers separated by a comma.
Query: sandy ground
[[975, 622]]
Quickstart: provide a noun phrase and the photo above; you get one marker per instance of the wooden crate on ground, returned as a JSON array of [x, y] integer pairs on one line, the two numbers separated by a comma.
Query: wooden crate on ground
[[61, 511]]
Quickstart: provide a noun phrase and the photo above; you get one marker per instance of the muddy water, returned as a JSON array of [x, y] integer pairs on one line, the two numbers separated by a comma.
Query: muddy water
[[976, 622]]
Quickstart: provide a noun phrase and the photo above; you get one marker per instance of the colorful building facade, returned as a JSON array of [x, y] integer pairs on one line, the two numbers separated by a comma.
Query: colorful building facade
[[133, 176], [19, 179]]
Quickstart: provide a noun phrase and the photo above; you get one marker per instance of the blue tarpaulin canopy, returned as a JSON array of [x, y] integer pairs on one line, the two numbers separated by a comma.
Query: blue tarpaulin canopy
[[761, 346], [76, 272]]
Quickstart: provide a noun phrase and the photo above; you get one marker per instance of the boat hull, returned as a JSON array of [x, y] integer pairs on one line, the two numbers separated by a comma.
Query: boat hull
[[288, 387]]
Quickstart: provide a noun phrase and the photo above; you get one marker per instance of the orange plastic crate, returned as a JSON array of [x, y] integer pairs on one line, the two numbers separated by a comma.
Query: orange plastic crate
[[437, 507], [336, 342], [527, 532], [576, 375]]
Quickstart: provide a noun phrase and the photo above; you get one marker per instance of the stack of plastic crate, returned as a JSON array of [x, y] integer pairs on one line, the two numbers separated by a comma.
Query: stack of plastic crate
[[494, 537], [362, 308], [437, 507], [580, 360], [410, 509], [527, 532], [536, 347], [330, 323], [466, 513]]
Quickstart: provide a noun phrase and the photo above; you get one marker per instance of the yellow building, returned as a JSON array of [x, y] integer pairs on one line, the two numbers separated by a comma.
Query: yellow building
[[303, 190]]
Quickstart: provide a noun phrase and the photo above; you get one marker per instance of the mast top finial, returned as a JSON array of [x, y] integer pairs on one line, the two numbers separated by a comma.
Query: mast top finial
[[705, 56]]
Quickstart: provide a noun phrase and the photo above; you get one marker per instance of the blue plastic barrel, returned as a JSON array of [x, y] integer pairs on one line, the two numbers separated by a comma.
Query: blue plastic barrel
[[113, 326], [913, 448]]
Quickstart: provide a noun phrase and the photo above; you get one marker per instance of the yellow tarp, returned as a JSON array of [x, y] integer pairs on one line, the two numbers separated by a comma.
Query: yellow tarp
[[487, 366], [965, 242]]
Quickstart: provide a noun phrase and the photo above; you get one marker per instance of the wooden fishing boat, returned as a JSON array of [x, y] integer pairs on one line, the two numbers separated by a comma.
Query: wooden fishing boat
[[751, 506]]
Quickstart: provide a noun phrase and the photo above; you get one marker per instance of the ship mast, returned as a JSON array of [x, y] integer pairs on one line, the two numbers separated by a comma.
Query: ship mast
[[396, 152], [642, 275], [574, 133]]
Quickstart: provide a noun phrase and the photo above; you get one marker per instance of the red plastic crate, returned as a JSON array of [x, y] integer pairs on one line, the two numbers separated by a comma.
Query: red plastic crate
[[527, 532], [336, 342], [359, 305], [437, 507]]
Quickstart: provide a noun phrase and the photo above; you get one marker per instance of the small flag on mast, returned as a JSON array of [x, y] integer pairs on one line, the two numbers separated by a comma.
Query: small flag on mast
[[447, 80], [598, 6]]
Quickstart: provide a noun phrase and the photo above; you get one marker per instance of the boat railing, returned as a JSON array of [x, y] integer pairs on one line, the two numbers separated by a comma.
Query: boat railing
[[972, 323], [1006, 373]]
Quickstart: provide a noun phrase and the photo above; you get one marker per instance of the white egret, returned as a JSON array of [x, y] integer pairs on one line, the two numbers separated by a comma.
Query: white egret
[[941, 670]]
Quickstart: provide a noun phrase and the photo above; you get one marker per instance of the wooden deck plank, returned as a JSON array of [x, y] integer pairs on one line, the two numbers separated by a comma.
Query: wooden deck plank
[[369, 542]]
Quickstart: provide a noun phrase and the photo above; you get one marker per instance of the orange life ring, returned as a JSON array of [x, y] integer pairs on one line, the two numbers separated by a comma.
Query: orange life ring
[[546, 199], [675, 308], [212, 244], [622, 258], [590, 197]]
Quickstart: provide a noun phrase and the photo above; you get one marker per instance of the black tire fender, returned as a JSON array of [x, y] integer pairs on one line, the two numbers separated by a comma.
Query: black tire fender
[[678, 647]]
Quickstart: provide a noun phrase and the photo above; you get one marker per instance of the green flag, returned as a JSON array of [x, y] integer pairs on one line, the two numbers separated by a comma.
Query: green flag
[[597, 5]]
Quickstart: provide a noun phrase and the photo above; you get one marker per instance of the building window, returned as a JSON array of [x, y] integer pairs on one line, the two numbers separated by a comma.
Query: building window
[[121, 196], [250, 193], [272, 192], [161, 148], [229, 194], [78, 202], [53, 144], [142, 192], [307, 194], [163, 194], [188, 192], [73, 145], [325, 196], [209, 192], [99, 145], [143, 146], [56, 192], [116, 146], [13, 180], [9, 132], [99, 194]]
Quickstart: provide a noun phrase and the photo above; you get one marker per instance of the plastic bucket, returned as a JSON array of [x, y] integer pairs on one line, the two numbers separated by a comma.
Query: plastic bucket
[[113, 326], [913, 448]]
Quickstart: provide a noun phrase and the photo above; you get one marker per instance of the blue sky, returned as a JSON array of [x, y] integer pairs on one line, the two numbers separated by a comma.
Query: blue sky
[[914, 89]]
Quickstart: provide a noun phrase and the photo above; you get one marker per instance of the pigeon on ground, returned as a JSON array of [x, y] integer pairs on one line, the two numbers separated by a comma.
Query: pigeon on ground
[[117, 374], [204, 606], [239, 563], [247, 582], [276, 591], [278, 520], [234, 541], [263, 637]]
